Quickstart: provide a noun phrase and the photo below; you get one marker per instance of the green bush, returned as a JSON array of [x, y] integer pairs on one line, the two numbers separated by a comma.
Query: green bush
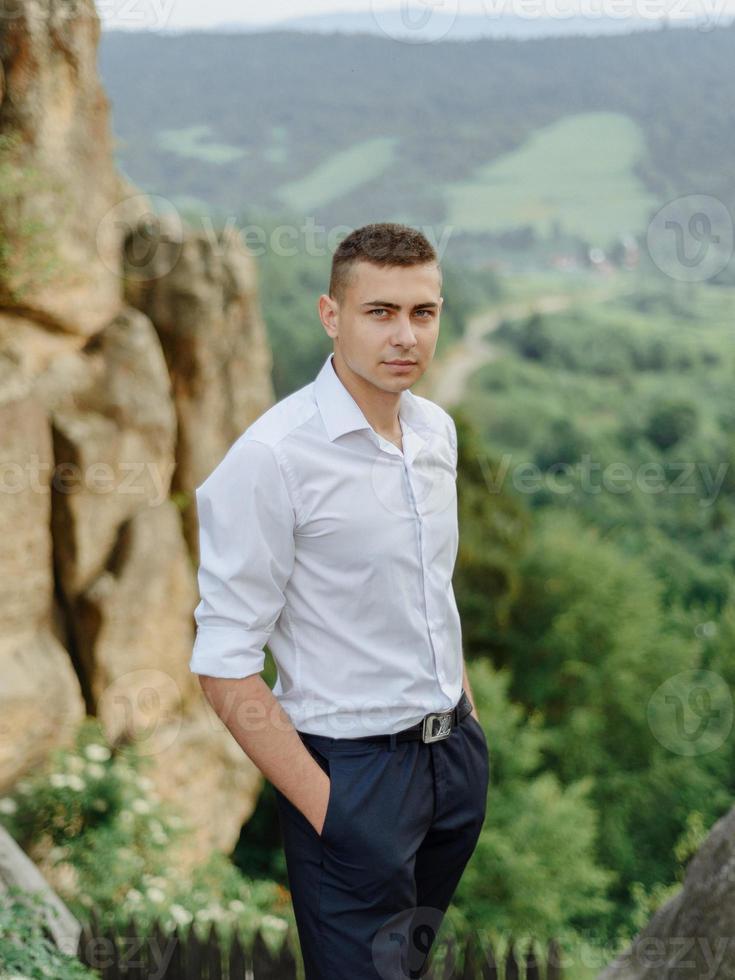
[[670, 421], [26, 952], [91, 819]]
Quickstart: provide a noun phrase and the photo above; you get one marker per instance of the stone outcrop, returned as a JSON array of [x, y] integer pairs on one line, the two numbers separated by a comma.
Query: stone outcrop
[[211, 282], [53, 100], [122, 384], [18, 871], [690, 935], [40, 696]]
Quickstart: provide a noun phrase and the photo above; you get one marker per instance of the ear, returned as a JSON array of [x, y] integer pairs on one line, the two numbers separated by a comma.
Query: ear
[[328, 309]]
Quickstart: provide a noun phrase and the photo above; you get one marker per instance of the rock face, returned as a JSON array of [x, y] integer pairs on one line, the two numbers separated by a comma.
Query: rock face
[[54, 101], [122, 384], [18, 871], [211, 282], [690, 935]]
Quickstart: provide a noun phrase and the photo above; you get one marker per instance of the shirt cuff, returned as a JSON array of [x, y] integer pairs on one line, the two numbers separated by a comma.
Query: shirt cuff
[[220, 651]]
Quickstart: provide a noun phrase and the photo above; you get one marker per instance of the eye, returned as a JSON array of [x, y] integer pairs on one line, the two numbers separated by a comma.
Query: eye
[[379, 309], [429, 313]]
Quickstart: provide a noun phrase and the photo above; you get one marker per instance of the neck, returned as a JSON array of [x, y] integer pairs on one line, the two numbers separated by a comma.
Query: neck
[[379, 407]]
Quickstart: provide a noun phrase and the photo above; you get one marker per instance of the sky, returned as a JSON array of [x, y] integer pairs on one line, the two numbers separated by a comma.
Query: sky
[[167, 14]]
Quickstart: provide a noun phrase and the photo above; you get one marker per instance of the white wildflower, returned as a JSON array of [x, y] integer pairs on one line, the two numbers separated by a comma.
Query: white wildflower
[[180, 915], [156, 894], [76, 783], [8, 805], [141, 806], [134, 896], [145, 783], [236, 905], [58, 780], [96, 752], [210, 912], [95, 770], [273, 922]]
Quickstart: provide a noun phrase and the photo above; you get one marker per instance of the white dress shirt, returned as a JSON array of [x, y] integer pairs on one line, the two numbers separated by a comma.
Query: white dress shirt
[[322, 539]]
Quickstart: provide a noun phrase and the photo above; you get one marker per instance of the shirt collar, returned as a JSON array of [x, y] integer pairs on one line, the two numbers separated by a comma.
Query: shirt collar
[[341, 413]]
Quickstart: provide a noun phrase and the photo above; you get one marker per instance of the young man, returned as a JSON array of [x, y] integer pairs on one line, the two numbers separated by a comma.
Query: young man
[[329, 531]]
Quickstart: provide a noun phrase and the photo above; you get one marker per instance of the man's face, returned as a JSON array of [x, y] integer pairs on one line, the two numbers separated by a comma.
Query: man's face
[[388, 313]]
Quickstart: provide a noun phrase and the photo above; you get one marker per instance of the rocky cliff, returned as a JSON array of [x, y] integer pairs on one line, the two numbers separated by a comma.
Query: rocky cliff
[[132, 353], [690, 934]]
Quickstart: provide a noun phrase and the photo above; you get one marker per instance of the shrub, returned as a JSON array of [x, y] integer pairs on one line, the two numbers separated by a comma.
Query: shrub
[[26, 951], [91, 820]]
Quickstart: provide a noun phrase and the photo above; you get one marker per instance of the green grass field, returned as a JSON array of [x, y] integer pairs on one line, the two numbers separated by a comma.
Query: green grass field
[[195, 142], [577, 171], [340, 174]]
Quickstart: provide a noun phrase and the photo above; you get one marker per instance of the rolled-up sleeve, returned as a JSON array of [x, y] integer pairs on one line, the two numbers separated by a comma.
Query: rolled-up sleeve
[[246, 557]]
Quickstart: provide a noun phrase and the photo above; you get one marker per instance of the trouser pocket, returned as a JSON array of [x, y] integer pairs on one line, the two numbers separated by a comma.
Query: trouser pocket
[[327, 765]]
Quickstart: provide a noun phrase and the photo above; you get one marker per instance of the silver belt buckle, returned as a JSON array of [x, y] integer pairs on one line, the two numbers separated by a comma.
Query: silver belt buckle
[[437, 725]]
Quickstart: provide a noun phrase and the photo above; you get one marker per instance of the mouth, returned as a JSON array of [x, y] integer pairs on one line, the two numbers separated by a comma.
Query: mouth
[[401, 363]]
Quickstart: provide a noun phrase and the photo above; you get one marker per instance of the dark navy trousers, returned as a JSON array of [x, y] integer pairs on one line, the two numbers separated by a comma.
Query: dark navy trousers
[[402, 821]]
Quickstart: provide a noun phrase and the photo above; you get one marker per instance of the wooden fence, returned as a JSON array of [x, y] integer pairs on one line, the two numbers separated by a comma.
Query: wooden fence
[[182, 955]]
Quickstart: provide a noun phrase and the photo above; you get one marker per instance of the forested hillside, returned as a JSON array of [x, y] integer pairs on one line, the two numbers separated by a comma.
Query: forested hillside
[[348, 129]]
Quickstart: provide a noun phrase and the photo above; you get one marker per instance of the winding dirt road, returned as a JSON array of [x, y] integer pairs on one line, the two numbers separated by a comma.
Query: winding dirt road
[[445, 381]]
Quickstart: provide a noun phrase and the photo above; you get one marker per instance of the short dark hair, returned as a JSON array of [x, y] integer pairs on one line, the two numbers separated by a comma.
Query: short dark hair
[[384, 244]]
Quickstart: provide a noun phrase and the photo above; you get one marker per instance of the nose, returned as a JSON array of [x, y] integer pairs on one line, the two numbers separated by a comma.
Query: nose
[[404, 336]]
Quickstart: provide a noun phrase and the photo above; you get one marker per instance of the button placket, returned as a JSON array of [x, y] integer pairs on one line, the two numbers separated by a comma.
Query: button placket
[[420, 539]]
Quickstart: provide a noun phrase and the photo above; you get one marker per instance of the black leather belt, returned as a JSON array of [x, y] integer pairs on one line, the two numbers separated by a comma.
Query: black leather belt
[[431, 728]]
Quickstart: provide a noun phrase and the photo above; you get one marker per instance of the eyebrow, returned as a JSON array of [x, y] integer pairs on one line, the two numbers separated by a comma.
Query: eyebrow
[[395, 306]]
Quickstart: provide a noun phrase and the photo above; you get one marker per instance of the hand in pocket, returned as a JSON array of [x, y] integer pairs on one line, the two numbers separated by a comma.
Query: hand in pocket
[[325, 809], [326, 796]]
